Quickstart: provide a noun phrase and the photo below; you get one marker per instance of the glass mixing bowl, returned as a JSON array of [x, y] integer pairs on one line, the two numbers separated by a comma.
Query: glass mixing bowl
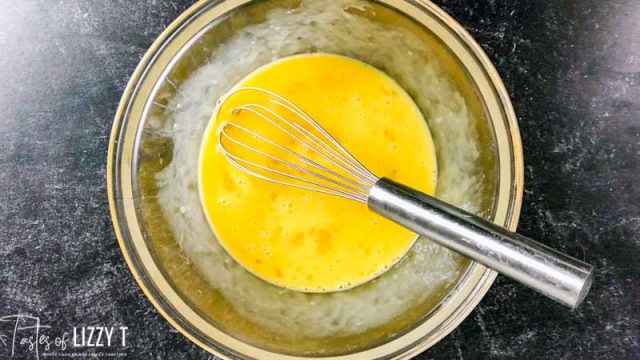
[[137, 152]]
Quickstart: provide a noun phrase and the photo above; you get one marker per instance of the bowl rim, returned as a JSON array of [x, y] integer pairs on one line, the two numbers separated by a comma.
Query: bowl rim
[[484, 276]]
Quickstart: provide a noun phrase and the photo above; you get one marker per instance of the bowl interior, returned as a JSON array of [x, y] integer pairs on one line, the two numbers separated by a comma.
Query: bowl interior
[[144, 148]]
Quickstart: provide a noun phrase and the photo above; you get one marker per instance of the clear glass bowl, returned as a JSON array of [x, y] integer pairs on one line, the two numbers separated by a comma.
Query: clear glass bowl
[[137, 153]]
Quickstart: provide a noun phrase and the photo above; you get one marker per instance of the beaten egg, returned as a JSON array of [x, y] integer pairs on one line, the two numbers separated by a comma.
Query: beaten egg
[[303, 240]]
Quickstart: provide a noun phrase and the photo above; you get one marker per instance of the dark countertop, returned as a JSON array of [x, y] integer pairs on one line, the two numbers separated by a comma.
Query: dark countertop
[[573, 72]]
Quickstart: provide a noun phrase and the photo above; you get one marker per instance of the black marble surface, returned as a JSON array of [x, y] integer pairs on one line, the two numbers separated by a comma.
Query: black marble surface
[[573, 72]]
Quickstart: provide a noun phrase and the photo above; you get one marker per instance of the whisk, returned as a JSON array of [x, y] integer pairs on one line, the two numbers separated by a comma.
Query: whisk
[[296, 151]]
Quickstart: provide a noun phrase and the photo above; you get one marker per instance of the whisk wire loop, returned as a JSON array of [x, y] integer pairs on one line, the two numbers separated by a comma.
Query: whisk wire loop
[[353, 161], [328, 168], [307, 160], [304, 159]]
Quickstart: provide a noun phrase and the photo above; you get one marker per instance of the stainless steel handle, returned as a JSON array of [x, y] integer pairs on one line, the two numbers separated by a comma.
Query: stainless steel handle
[[556, 275]]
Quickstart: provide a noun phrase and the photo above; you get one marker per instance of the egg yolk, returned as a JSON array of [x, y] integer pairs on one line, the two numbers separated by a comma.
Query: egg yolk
[[305, 240]]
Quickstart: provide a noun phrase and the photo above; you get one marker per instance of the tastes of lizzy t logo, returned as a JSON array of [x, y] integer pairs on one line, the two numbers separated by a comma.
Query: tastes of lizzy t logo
[[26, 337]]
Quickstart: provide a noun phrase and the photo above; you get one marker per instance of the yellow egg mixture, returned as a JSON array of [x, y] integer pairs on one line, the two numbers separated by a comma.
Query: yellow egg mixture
[[304, 240]]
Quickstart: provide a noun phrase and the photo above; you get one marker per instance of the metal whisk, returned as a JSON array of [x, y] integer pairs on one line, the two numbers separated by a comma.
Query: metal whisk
[[296, 151]]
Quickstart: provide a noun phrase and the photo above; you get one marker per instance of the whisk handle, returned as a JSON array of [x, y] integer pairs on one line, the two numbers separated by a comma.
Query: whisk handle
[[556, 275]]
